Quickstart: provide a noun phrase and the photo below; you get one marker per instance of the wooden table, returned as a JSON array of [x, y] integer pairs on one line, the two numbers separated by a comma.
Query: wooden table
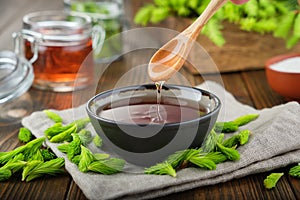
[[249, 87]]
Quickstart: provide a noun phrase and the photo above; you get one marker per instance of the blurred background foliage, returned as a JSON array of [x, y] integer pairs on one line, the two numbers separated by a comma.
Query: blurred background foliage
[[278, 17]]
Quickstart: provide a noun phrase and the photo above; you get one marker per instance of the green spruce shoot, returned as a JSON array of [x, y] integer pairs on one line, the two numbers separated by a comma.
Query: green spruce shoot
[[107, 166], [47, 155], [5, 174], [24, 135], [58, 133], [97, 141], [295, 171], [74, 147], [53, 116], [230, 153], [237, 140], [86, 158], [177, 158], [271, 180], [245, 119], [101, 156], [85, 136], [163, 168], [232, 126], [28, 150], [36, 169]]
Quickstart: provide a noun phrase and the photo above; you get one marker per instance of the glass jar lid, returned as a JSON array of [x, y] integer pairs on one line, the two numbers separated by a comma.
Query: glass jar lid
[[16, 76], [57, 26]]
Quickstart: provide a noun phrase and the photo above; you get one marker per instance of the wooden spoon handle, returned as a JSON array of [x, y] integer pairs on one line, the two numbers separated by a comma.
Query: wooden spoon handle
[[194, 29], [170, 57]]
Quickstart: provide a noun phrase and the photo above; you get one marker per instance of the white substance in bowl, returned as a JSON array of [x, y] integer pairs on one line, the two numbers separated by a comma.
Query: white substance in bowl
[[290, 65]]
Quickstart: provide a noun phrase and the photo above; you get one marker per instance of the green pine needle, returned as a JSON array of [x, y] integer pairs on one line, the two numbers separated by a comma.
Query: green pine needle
[[244, 136], [295, 171], [29, 168], [230, 153], [28, 150], [245, 119], [85, 136], [272, 179], [86, 158], [164, 168], [203, 162], [36, 169], [55, 129], [59, 133], [107, 166], [231, 141], [210, 141], [101, 156], [15, 164], [177, 158], [232, 126], [5, 174], [226, 127], [216, 157], [53, 116], [63, 147], [237, 140], [63, 136], [97, 141], [35, 156], [74, 147], [47, 154], [24, 135]]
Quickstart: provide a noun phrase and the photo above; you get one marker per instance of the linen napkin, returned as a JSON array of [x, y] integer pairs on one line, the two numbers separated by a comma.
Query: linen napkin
[[275, 143]]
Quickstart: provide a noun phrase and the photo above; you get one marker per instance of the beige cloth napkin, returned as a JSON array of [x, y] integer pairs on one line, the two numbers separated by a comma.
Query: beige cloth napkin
[[275, 143]]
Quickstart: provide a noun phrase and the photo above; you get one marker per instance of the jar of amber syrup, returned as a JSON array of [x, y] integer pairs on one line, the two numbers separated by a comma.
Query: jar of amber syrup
[[60, 47]]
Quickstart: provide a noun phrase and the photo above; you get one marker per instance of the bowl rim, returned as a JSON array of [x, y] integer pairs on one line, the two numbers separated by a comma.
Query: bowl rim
[[280, 58], [201, 118]]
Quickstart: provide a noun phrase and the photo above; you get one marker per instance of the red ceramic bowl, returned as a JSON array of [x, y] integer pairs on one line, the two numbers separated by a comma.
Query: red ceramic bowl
[[283, 75]]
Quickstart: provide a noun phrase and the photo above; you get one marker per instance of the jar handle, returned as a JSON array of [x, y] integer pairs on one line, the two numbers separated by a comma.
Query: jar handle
[[98, 36], [17, 42], [31, 36]]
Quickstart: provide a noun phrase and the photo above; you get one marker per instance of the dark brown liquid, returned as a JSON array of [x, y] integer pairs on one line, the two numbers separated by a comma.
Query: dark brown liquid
[[159, 86], [146, 113]]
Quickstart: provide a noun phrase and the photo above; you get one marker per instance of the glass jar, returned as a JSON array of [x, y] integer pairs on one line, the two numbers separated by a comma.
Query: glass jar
[[109, 15], [59, 45], [16, 77]]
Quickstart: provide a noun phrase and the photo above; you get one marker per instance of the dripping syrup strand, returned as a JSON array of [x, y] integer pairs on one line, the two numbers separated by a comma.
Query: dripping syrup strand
[[159, 85]]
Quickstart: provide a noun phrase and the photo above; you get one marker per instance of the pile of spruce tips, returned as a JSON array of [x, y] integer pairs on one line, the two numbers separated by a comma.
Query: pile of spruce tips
[[33, 159]]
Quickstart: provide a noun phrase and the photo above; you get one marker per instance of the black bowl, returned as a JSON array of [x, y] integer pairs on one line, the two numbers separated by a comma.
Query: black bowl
[[148, 143]]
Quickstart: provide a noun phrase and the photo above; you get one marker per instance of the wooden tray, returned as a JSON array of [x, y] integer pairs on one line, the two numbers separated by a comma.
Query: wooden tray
[[242, 50]]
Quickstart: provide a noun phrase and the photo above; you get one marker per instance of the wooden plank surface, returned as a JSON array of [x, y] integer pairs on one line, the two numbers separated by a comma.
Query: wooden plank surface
[[12, 13], [249, 87]]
